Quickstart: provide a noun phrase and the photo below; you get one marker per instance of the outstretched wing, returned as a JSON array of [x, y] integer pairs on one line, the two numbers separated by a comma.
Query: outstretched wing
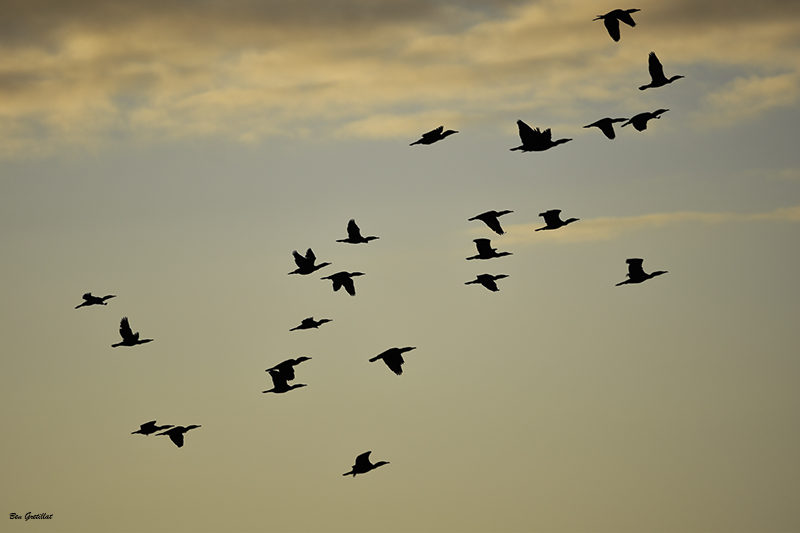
[[349, 286], [626, 17], [612, 25], [299, 260], [527, 134], [484, 246], [125, 329], [433, 134], [353, 232], [655, 67], [551, 217], [310, 256], [278, 379], [362, 461], [177, 438], [635, 269]]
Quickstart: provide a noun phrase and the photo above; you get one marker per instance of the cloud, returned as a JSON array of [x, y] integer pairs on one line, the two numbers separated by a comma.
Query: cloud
[[77, 72], [609, 228]]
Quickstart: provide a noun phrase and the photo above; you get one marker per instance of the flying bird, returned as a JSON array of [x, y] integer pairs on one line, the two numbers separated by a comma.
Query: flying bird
[[305, 265], [309, 323], [344, 279], [279, 385], [657, 78], [640, 121], [488, 281], [485, 250], [89, 299], [490, 219], [434, 135], [363, 465], [636, 273], [129, 338], [354, 234], [393, 357], [148, 428], [534, 140], [286, 368], [553, 220], [176, 434], [612, 19], [606, 125]]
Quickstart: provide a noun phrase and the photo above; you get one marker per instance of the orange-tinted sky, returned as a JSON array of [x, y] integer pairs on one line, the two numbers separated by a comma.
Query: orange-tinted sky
[[176, 153]]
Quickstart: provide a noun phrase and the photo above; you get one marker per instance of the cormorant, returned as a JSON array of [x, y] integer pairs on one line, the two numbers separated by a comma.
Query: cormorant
[[606, 125], [344, 279], [490, 219], [636, 273], [657, 78], [279, 383], [354, 234], [393, 357], [305, 265], [176, 434], [286, 368], [129, 338], [434, 135], [309, 323], [363, 465], [534, 140], [640, 121], [88, 300], [554, 221], [485, 250], [149, 428], [612, 18], [487, 280]]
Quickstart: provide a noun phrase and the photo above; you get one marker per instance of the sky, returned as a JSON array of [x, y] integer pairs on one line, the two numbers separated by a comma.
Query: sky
[[175, 153]]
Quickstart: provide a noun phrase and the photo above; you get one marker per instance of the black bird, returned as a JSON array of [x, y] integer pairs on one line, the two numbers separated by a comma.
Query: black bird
[[606, 125], [344, 279], [309, 323], [485, 250], [434, 135], [363, 465], [176, 434], [554, 221], [612, 18], [636, 273], [286, 368], [488, 281], [354, 234], [149, 428], [129, 338], [305, 265], [88, 300], [490, 219], [279, 383], [534, 140], [657, 78], [640, 121], [393, 357]]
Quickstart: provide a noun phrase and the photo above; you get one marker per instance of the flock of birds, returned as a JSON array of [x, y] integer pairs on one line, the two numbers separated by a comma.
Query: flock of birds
[[533, 140]]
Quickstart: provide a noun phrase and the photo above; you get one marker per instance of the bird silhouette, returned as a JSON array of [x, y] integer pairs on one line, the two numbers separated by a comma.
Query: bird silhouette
[[434, 135], [640, 121], [279, 383], [176, 434], [606, 125], [363, 465], [393, 357], [490, 219], [148, 428], [305, 265], [129, 338], [612, 19], [309, 323], [286, 368], [534, 140], [344, 279], [88, 300], [657, 78], [488, 281], [554, 221], [636, 273], [354, 234], [485, 250]]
